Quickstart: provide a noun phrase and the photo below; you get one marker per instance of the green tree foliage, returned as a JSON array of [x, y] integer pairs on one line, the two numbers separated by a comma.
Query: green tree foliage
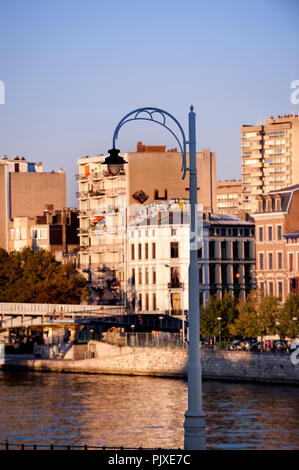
[[36, 277], [290, 311], [252, 317], [247, 323], [226, 308]]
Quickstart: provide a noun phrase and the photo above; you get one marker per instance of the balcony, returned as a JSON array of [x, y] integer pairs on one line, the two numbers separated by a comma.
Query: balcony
[[175, 285]]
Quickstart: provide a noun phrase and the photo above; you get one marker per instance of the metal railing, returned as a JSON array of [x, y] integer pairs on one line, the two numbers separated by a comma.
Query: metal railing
[[150, 340], [9, 445]]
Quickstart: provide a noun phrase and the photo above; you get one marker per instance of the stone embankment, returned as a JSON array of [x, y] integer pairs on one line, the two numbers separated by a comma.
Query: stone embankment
[[101, 358]]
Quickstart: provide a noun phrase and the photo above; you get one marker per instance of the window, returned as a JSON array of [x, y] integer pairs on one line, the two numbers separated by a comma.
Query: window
[[140, 301], [146, 276], [154, 276], [261, 237], [270, 260], [154, 302], [133, 277], [211, 249], [146, 302], [235, 250], [261, 260], [291, 262], [271, 288], [153, 250], [279, 260], [280, 291], [139, 251], [246, 250], [132, 252], [174, 249], [146, 251], [223, 250], [140, 276], [262, 287], [270, 233], [279, 234]]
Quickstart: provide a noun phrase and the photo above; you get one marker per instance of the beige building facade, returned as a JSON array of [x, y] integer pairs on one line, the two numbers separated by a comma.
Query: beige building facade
[[149, 178], [25, 190], [270, 158], [228, 196]]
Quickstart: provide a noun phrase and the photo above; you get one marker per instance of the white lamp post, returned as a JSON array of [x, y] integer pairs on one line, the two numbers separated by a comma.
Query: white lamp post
[[194, 417]]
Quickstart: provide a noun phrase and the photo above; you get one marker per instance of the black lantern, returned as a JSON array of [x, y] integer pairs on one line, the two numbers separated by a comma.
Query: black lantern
[[114, 161]]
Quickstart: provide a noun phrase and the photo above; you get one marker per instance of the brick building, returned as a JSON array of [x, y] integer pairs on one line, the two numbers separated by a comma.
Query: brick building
[[277, 242]]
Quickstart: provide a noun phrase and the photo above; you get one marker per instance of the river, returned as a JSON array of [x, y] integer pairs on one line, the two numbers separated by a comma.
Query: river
[[108, 410]]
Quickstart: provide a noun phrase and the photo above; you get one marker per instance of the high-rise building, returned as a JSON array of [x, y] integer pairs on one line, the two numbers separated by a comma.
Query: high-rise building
[[270, 158], [25, 189], [148, 178], [228, 196]]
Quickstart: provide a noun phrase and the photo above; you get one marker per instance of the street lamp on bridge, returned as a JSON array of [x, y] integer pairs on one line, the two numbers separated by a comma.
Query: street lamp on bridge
[[194, 424]]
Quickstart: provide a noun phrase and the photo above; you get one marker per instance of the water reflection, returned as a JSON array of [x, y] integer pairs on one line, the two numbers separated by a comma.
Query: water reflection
[[45, 408]]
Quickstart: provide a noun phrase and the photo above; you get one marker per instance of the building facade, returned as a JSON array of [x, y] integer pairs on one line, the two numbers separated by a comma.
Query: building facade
[[277, 242], [24, 191], [228, 196], [148, 178], [270, 158], [55, 231], [226, 257]]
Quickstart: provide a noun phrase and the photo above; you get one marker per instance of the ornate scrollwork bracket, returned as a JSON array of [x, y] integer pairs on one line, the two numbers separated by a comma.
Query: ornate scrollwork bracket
[[159, 116]]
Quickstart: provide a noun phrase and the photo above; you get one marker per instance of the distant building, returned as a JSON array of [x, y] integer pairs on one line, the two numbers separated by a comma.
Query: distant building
[[158, 262], [228, 196], [270, 158], [277, 242], [55, 231], [227, 257], [149, 177], [24, 191]]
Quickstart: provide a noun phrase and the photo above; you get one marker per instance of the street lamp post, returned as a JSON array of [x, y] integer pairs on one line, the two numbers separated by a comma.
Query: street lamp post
[[194, 424], [219, 319]]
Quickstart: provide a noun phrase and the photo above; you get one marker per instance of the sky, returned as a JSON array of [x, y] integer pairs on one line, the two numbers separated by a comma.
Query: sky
[[73, 68]]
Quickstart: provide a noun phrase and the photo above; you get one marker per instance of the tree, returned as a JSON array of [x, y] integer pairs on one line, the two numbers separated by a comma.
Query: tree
[[290, 310], [225, 308], [247, 323], [268, 313], [36, 277]]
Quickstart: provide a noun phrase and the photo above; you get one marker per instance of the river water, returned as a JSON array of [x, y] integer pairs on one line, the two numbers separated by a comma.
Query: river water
[[107, 410]]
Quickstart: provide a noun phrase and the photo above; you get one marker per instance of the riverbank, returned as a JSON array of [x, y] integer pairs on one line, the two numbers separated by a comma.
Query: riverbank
[[101, 358]]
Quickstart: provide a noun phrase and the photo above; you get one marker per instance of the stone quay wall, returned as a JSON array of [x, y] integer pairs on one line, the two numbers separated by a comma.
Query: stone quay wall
[[102, 358]]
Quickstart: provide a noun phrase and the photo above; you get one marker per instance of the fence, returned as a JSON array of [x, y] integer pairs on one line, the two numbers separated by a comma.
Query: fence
[[21, 446], [151, 340]]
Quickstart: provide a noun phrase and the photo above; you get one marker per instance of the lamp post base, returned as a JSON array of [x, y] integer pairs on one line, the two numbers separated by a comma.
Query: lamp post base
[[195, 425]]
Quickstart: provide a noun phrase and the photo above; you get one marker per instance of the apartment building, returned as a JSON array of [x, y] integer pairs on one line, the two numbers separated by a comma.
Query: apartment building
[[158, 262], [277, 242], [270, 158], [25, 189], [228, 196], [55, 231], [227, 257], [149, 177]]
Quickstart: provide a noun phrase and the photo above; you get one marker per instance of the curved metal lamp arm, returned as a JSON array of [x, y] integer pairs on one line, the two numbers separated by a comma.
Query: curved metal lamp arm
[[149, 115]]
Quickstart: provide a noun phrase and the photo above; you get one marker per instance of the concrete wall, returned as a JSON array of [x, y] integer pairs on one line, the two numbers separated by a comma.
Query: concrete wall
[[30, 192], [227, 365]]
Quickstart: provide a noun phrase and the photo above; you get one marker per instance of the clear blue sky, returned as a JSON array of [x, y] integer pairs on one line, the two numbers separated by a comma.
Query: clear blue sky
[[73, 68]]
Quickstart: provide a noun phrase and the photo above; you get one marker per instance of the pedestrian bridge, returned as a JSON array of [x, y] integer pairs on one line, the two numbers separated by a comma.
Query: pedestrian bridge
[[17, 315]]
